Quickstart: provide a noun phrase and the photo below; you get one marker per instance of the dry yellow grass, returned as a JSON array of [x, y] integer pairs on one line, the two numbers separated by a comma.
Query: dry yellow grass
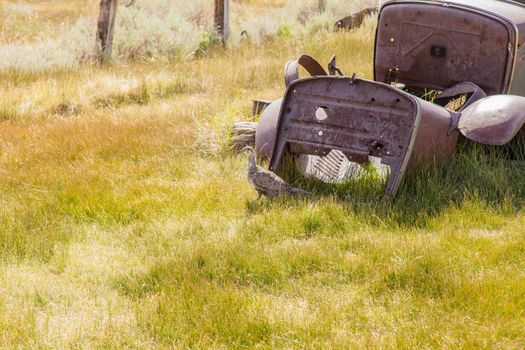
[[125, 222]]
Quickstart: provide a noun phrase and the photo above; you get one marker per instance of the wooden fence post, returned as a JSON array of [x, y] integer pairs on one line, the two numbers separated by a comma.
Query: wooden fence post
[[222, 19], [105, 26], [321, 5]]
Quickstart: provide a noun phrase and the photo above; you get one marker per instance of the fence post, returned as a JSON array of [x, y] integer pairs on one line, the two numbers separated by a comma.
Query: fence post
[[105, 26], [222, 19], [321, 5]]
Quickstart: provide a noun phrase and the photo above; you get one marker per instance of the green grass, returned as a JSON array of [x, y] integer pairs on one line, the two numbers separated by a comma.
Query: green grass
[[126, 222]]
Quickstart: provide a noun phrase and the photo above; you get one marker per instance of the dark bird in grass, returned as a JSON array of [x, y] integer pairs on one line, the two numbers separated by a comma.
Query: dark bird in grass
[[267, 183]]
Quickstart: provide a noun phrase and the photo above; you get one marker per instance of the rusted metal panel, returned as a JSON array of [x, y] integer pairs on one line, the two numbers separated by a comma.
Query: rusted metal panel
[[259, 106], [361, 118], [425, 44], [436, 138], [473, 92], [518, 81], [453, 18], [310, 64], [510, 10], [267, 129]]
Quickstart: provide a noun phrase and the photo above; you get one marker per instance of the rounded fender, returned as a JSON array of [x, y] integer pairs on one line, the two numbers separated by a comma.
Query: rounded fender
[[494, 120]]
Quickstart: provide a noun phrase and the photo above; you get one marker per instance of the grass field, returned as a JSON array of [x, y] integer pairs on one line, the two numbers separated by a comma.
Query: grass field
[[126, 221]]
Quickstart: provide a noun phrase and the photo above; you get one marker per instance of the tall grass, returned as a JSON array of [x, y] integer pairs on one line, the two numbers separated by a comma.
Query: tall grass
[[126, 222], [154, 30]]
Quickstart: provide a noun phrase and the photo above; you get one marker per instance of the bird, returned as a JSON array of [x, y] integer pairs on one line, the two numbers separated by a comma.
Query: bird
[[267, 183]]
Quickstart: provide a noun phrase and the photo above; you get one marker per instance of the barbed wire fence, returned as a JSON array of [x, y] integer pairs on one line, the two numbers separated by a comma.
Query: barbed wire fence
[[108, 13], [107, 16]]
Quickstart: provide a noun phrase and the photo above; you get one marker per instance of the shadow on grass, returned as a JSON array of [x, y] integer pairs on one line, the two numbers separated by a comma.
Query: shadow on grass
[[492, 177]]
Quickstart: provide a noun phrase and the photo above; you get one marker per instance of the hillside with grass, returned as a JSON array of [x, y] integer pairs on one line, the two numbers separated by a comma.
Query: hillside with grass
[[126, 220]]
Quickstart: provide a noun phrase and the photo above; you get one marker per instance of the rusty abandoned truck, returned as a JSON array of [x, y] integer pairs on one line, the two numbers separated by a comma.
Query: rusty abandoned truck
[[474, 49]]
